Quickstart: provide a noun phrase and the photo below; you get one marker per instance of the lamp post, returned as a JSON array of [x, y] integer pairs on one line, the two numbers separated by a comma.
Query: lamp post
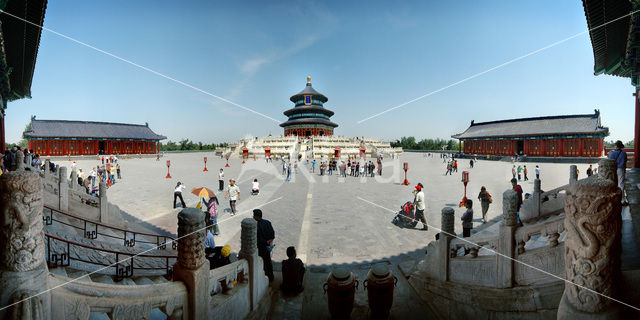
[[205, 164], [227, 157], [465, 180], [168, 165], [405, 167]]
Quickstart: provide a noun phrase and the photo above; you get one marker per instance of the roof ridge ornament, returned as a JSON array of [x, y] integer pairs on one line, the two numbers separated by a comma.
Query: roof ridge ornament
[[308, 80]]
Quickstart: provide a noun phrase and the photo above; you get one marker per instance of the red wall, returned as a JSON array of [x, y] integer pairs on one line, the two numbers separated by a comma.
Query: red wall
[[584, 147], [86, 147], [303, 132]]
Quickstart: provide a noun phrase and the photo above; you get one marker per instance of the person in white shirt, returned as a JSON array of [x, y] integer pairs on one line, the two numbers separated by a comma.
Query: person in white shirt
[[233, 192], [177, 193], [537, 172], [92, 175], [419, 204], [255, 188], [221, 180]]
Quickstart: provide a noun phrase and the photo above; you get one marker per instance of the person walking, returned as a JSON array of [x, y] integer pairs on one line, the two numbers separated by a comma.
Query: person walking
[[288, 167], [621, 160], [455, 165], [519, 173], [590, 171], [177, 193], [233, 192], [485, 200], [418, 202], [537, 172], [467, 219], [266, 235], [513, 171], [471, 163], [313, 166], [525, 173], [92, 176], [221, 180], [118, 170]]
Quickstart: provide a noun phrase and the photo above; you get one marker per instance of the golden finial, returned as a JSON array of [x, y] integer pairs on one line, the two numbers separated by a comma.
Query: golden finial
[[308, 79]]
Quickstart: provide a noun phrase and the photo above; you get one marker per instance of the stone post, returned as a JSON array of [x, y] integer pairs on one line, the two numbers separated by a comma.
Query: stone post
[[506, 240], [47, 164], [23, 269], [607, 170], [63, 187], [104, 204], [249, 251], [573, 174], [447, 232], [592, 250], [191, 267], [74, 179]]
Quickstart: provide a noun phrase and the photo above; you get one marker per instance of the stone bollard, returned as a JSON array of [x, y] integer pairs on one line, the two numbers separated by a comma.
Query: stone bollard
[[442, 245], [506, 240], [63, 187], [23, 269], [447, 222], [573, 174], [592, 249], [607, 170], [74, 179], [47, 165], [191, 267], [104, 203], [249, 251]]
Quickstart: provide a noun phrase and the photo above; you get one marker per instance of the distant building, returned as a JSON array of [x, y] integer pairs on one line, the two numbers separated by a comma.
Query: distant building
[[63, 137], [308, 117], [561, 136]]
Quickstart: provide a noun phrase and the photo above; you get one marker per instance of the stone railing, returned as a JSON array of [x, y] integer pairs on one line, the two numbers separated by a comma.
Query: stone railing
[[78, 299], [529, 261], [25, 276]]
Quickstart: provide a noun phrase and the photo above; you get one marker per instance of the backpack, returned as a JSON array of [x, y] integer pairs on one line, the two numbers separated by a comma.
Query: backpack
[[213, 207]]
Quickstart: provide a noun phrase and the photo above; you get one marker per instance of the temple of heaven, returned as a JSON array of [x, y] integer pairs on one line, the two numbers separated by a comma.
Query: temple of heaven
[[308, 117]]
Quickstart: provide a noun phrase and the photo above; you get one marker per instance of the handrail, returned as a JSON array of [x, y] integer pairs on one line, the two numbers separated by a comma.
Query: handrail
[[93, 234], [122, 271]]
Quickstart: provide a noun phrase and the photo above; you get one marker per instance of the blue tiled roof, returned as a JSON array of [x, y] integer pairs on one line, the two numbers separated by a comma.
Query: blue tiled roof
[[90, 129]]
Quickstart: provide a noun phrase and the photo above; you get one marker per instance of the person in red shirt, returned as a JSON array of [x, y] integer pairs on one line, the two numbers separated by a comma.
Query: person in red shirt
[[518, 189]]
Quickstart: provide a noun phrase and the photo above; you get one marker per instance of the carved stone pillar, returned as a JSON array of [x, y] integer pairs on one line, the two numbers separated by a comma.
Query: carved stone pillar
[[63, 186], [447, 222], [74, 179], [191, 267], [633, 197], [104, 203], [506, 240], [592, 249], [573, 174], [47, 172], [249, 250], [607, 170], [23, 269]]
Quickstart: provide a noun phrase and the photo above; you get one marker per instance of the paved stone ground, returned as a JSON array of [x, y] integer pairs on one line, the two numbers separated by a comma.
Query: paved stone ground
[[330, 220]]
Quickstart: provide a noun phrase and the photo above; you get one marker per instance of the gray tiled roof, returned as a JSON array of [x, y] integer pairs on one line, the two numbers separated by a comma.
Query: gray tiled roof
[[554, 125], [90, 129]]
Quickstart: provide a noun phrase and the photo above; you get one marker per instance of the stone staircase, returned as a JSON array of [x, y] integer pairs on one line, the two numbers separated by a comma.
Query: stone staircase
[[70, 274]]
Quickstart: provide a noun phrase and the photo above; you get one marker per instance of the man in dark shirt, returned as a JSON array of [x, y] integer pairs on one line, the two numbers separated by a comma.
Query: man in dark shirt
[[621, 161], [292, 273], [265, 242]]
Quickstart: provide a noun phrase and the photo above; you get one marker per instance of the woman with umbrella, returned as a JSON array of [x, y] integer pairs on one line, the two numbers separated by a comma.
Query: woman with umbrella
[[211, 205]]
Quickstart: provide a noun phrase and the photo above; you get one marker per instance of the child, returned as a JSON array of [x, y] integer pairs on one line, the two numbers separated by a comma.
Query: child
[[255, 189], [467, 219]]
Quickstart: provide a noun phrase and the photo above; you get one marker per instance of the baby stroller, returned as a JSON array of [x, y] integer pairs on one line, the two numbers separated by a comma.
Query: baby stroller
[[406, 217]]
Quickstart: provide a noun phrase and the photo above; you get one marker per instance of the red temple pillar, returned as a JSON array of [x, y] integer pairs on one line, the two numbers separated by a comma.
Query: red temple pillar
[[636, 136], [579, 147]]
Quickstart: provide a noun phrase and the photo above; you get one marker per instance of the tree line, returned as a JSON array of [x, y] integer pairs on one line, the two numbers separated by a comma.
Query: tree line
[[612, 144], [186, 144], [410, 143]]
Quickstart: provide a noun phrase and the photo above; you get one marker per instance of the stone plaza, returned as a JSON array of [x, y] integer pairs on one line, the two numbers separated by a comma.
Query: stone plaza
[[329, 219]]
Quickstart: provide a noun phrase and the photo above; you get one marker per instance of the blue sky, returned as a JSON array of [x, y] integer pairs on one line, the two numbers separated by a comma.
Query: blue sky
[[365, 56]]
